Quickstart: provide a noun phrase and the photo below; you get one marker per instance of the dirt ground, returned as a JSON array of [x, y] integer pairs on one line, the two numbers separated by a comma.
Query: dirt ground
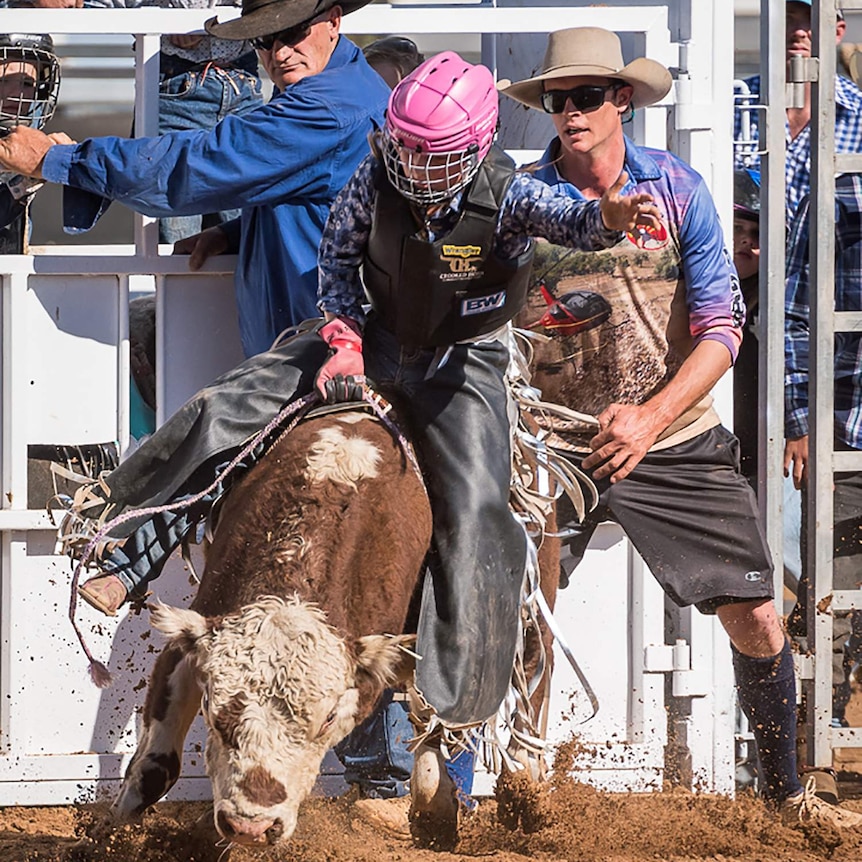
[[558, 821]]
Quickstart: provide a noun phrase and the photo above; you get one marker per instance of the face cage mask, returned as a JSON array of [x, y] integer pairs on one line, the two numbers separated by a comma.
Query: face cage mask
[[26, 104], [428, 178]]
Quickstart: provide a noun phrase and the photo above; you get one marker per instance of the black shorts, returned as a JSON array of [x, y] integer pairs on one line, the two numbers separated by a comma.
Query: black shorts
[[692, 517]]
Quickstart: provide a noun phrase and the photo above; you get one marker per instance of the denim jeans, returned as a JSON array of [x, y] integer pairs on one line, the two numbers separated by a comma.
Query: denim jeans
[[375, 754], [377, 761], [199, 99]]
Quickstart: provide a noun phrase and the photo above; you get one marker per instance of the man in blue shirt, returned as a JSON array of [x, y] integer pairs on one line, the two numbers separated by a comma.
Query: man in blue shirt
[[282, 163]]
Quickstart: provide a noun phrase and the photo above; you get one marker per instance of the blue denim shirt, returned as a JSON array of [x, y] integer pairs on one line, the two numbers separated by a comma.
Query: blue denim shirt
[[282, 163]]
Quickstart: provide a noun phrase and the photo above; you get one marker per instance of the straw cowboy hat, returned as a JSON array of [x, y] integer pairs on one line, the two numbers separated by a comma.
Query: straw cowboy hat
[[263, 17], [592, 51]]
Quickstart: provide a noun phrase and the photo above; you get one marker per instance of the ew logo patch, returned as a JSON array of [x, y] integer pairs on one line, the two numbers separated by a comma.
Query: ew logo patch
[[754, 577], [482, 304]]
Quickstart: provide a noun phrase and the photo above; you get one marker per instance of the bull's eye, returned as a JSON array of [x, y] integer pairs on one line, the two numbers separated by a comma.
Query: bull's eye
[[205, 702], [330, 720]]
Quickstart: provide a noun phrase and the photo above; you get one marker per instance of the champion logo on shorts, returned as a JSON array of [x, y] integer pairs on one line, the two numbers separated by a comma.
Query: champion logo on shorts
[[753, 576]]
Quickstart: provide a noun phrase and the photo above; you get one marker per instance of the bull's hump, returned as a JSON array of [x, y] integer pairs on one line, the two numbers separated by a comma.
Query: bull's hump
[[342, 458]]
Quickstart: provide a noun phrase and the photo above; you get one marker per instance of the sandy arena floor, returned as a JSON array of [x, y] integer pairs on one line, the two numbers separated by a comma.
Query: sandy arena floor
[[558, 821]]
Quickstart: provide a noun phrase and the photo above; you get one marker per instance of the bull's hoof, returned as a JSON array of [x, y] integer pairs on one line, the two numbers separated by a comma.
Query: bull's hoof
[[100, 829], [100, 823], [434, 809], [434, 832], [533, 764]]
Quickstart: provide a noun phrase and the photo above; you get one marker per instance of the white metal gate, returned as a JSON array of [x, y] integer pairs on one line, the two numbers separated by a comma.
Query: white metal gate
[[64, 379]]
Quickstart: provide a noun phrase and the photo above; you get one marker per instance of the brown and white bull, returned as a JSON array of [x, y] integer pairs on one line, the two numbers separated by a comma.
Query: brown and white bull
[[285, 648]]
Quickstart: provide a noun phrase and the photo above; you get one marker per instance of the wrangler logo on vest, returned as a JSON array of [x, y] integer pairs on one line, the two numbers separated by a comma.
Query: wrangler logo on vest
[[481, 304], [461, 251]]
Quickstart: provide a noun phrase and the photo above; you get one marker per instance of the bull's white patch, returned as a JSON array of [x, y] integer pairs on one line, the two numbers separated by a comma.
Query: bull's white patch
[[333, 457], [352, 418]]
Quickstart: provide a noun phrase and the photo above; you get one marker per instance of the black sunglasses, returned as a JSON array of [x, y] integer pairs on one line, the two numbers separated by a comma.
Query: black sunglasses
[[585, 98], [290, 36]]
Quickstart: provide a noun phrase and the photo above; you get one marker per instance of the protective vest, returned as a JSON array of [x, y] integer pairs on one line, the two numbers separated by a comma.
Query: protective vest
[[432, 294]]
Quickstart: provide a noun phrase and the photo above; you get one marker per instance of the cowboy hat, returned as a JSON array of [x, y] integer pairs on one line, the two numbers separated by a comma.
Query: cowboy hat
[[264, 17], [591, 51]]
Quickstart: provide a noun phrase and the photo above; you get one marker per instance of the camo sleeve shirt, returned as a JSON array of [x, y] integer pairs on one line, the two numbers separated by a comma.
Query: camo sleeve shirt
[[531, 209]]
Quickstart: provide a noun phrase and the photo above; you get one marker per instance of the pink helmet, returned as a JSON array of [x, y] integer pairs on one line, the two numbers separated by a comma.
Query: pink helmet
[[440, 124]]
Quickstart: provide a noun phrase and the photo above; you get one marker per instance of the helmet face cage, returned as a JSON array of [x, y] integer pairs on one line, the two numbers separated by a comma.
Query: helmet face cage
[[428, 178], [440, 124], [29, 81]]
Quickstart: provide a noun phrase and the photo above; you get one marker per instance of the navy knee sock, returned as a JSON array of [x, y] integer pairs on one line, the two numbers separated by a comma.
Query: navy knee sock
[[767, 694]]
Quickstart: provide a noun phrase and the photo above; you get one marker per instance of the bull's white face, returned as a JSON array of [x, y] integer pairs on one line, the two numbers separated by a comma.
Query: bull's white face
[[279, 690], [278, 693]]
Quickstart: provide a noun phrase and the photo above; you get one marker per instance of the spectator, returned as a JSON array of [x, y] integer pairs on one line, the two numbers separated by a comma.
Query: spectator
[[847, 487], [666, 470], [202, 80], [746, 371], [282, 163], [746, 259], [849, 61], [848, 112], [393, 57], [29, 87]]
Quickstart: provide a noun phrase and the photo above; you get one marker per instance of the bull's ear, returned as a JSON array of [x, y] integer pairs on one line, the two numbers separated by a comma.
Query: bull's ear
[[182, 626], [387, 659]]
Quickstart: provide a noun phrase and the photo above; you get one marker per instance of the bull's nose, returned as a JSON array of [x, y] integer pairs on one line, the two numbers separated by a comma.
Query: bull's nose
[[242, 830]]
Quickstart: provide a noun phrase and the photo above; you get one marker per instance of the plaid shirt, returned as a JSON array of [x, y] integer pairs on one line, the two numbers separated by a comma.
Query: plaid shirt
[[797, 170], [848, 297]]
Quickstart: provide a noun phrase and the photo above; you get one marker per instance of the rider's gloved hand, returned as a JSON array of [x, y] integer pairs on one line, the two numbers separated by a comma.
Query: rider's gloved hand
[[342, 376]]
